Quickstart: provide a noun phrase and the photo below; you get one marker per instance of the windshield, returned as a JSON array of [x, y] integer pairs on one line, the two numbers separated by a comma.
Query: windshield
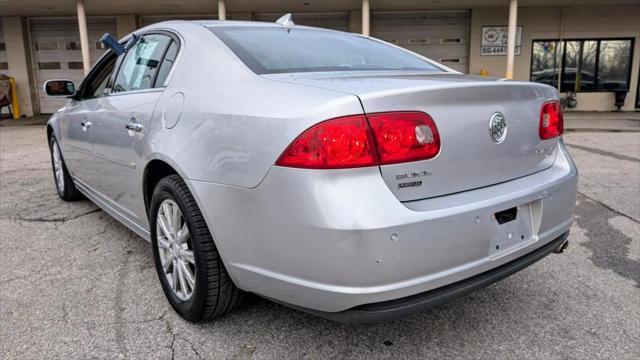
[[271, 50]]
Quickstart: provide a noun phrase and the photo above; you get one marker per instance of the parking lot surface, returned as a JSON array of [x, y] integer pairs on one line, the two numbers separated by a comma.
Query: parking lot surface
[[75, 284]]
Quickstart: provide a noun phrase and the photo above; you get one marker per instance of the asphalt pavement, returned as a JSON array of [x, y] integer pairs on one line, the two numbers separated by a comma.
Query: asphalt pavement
[[75, 284]]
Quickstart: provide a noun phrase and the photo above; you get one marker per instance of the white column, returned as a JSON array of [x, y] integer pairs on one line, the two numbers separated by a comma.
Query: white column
[[84, 36], [365, 17], [16, 38], [222, 10], [511, 37]]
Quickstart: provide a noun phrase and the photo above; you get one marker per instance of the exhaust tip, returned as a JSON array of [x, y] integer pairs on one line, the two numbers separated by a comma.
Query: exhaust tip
[[562, 247]]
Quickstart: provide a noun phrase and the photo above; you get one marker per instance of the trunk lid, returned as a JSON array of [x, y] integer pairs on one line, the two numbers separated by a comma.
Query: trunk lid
[[461, 107]]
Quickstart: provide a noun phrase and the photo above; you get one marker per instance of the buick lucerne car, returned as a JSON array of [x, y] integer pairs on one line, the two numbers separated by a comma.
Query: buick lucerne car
[[331, 172]]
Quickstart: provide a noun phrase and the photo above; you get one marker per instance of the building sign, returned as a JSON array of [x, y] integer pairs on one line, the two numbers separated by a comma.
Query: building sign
[[494, 40]]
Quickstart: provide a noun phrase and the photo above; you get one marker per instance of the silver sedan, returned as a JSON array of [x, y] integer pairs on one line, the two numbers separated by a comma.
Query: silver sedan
[[328, 171]]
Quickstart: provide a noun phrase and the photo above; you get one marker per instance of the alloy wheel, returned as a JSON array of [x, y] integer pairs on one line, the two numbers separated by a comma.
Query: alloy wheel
[[58, 169], [176, 250]]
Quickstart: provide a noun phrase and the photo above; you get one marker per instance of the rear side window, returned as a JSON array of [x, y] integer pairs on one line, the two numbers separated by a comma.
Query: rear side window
[[167, 63], [270, 50], [139, 67]]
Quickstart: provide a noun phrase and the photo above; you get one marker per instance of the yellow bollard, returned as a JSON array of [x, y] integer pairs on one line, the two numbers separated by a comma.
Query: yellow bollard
[[15, 106]]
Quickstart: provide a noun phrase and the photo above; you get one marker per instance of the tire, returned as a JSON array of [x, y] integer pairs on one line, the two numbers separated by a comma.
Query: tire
[[64, 183], [214, 293]]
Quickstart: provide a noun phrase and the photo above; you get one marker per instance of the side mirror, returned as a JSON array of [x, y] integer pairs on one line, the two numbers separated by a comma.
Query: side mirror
[[59, 88]]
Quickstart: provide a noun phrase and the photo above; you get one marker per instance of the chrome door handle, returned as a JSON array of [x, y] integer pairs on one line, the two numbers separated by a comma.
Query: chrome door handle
[[85, 125], [134, 127]]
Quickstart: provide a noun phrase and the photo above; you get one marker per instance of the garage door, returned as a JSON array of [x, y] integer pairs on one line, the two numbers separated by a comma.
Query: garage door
[[3, 53], [148, 20], [440, 36], [56, 52], [334, 21], [152, 19]]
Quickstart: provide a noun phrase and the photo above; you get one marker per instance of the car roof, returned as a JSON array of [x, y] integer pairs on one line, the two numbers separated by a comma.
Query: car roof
[[175, 24], [217, 23]]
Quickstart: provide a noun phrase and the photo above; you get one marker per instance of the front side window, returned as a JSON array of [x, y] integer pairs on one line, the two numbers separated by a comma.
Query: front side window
[[98, 81], [582, 65], [270, 50], [98, 85], [141, 63]]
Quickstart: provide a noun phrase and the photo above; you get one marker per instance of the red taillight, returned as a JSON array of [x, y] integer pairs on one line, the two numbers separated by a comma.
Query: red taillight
[[551, 122], [404, 136], [348, 142], [339, 143]]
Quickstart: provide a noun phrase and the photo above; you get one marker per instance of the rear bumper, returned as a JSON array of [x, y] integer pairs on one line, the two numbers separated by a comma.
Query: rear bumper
[[398, 308], [331, 241]]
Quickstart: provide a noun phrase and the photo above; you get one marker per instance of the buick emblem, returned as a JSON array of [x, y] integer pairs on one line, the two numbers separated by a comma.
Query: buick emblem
[[497, 128]]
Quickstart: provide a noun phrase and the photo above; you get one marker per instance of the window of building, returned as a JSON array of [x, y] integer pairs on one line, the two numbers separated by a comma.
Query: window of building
[[75, 65], [49, 65], [614, 64], [47, 45], [582, 65], [72, 45]]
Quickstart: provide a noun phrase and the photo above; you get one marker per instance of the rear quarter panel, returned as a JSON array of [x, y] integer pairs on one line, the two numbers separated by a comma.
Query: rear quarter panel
[[233, 124]]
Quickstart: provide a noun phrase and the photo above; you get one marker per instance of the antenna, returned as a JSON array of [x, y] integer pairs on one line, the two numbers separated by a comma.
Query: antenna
[[286, 20]]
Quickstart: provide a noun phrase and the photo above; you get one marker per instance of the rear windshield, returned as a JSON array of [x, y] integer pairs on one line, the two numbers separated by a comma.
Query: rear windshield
[[271, 50]]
